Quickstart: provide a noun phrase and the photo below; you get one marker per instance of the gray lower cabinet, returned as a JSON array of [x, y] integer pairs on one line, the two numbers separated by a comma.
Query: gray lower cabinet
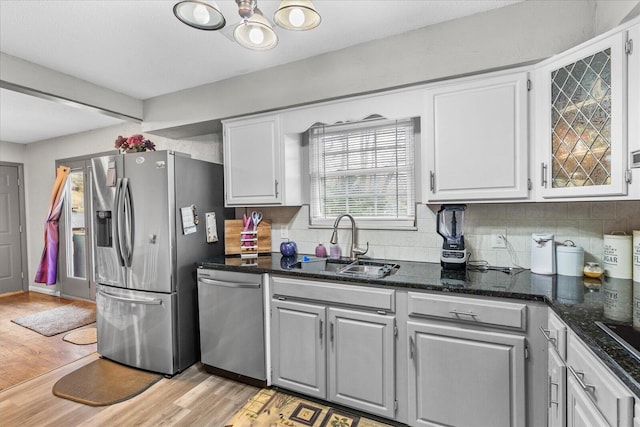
[[465, 377], [362, 361], [580, 410], [338, 354], [298, 359]]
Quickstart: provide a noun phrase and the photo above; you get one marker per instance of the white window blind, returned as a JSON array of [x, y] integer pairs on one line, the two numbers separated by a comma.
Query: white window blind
[[365, 169]]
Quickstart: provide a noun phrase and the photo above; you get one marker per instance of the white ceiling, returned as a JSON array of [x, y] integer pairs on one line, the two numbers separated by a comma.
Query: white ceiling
[[140, 49]]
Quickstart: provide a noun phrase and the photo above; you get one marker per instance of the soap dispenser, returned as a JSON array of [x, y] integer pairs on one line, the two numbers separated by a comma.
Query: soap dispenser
[[321, 251]]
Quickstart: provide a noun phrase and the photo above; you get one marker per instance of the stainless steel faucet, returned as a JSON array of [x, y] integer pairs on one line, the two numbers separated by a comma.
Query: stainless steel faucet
[[353, 252]]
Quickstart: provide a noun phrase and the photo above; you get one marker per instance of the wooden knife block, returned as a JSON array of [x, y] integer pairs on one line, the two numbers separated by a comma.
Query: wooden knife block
[[232, 230]]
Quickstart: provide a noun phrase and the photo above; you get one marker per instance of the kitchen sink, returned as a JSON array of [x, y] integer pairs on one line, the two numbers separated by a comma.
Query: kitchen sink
[[363, 268]]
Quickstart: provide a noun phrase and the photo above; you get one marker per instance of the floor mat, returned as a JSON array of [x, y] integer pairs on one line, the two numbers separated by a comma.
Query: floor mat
[[58, 320], [82, 336], [103, 382], [273, 408]]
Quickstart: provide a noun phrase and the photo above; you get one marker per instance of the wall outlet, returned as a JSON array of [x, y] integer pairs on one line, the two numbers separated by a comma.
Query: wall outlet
[[498, 238], [284, 232]]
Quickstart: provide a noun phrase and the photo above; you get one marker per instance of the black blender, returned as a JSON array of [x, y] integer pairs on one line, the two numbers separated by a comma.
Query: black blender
[[450, 225]]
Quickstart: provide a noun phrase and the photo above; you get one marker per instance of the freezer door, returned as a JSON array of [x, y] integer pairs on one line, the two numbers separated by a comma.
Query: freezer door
[[147, 234], [136, 328], [107, 180]]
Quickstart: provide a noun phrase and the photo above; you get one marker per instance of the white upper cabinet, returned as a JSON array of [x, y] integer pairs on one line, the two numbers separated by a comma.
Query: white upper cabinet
[[476, 137], [581, 120], [255, 153]]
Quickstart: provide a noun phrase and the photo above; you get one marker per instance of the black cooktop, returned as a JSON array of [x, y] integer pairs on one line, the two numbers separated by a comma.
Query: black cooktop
[[625, 335]]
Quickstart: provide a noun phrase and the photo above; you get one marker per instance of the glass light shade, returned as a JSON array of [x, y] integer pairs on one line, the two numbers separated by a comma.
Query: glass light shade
[[202, 15], [297, 15], [256, 33]]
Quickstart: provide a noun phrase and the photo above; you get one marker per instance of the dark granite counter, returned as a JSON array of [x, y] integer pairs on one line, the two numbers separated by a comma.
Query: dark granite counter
[[577, 304]]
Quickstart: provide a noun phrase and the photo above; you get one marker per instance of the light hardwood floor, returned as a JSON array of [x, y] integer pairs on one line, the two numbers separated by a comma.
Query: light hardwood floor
[[191, 398]]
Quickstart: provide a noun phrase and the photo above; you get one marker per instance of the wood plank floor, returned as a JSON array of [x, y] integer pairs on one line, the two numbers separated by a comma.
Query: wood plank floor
[[30, 364], [24, 353]]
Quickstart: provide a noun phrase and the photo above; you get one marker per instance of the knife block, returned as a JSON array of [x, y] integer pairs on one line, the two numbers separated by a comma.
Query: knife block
[[233, 236]]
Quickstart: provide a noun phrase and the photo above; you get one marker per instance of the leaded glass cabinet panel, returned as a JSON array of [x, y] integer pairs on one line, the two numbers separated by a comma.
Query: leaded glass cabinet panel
[[582, 118]]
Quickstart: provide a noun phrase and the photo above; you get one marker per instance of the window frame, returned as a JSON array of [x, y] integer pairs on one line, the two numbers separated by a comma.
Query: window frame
[[367, 222]]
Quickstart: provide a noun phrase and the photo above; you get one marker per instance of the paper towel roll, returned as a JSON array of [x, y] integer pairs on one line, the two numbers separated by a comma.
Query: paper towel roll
[[636, 255], [617, 256]]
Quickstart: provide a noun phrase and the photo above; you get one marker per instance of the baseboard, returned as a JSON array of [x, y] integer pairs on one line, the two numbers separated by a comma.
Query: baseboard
[[48, 291]]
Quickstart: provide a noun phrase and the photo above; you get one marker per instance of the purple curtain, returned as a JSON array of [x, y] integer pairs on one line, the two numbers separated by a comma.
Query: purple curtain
[[48, 269]]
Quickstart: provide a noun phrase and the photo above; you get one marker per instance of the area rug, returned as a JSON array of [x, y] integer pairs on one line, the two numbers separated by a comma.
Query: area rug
[[58, 320], [103, 382], [271, 408], [82, 336]]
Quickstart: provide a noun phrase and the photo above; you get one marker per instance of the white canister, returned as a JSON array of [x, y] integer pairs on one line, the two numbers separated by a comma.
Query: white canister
[[636, 255], [569, 260], [636, 305], [618, 299], [617, 256]]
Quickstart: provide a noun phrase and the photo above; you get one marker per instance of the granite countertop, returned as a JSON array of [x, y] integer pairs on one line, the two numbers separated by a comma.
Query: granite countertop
[[577, 304]]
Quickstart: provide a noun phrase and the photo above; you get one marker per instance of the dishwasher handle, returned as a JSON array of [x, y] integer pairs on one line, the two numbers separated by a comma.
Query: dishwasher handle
[[227, 284]]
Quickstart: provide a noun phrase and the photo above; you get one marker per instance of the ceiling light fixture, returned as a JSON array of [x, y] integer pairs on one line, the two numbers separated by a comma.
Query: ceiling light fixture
[[254, 31], [200, 14], [297, 15]]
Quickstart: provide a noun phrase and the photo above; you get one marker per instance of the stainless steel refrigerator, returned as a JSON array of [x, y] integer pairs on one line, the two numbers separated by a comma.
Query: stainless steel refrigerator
[[155, 215]]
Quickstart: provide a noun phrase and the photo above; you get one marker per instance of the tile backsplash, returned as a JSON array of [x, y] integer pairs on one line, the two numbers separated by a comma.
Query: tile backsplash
[[584, 223]]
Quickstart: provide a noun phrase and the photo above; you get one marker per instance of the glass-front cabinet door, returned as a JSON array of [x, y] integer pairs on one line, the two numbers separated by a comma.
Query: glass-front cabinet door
[[581, 111]]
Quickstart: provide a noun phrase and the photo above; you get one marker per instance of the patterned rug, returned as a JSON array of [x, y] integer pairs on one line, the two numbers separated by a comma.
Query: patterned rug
[[271, 408]]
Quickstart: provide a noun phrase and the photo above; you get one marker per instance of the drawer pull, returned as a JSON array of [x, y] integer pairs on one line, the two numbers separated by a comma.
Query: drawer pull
[[579, 376], [551, 385], [462, 313], [547, 335]]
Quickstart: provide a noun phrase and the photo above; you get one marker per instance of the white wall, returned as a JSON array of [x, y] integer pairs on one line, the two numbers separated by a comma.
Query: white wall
[[13, 153], [523, 32], [40, 161], [584, 223]]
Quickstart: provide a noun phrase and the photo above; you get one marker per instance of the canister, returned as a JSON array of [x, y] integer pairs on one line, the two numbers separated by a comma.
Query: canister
[[636, 255], [569, 259], [618, 299], [617, 256]]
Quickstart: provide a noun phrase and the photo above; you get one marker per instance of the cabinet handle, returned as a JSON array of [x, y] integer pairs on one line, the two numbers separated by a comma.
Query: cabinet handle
[[462, 313], [411, 347], [331, 332], [551, 401], [432, 181], [579, 376], [547, 336], [321, 328], [543, 171], [276, 181]]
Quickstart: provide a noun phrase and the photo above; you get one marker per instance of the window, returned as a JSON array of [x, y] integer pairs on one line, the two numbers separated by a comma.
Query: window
[[365, 169]]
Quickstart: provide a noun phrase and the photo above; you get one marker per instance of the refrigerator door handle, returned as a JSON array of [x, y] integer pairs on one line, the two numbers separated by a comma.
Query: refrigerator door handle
[[116, 221], [146, 301], [124, 221], [228, 284]]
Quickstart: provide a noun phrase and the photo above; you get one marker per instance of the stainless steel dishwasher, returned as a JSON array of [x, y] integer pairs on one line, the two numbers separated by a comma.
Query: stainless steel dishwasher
[[232, 332]]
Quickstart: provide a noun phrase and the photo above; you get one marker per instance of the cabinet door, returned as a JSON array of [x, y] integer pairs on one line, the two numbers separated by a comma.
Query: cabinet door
[[556, 391], [476, 133], [581, 411], [581, 119], [252, 160], [362, 360], [298, 347], [463, 377]]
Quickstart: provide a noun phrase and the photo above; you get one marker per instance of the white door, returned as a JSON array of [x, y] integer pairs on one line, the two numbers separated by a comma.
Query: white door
[[463, 377], [362, 360], [10, 234], [581, 411]]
